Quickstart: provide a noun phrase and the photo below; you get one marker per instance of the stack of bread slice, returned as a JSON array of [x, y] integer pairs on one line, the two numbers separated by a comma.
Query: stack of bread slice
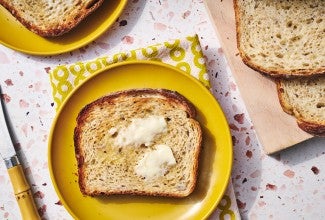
[[285, 40]]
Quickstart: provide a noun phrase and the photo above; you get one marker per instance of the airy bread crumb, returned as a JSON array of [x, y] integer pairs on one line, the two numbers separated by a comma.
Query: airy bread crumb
[[282, 38]]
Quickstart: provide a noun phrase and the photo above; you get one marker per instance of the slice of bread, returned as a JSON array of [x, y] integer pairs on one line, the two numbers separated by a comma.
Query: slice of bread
[[50, 18], [305, 99], [120, 151], [281, 38]]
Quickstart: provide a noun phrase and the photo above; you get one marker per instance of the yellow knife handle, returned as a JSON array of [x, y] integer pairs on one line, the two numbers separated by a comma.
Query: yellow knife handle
[[23, 193]]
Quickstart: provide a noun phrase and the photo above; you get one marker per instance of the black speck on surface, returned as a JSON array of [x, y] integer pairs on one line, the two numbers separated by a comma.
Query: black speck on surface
[[123, 22]]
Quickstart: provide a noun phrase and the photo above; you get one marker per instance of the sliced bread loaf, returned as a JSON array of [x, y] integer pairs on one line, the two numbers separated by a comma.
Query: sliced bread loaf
[[305, 99], [285, 40], [282, 38], [140, 141], [50, 18]]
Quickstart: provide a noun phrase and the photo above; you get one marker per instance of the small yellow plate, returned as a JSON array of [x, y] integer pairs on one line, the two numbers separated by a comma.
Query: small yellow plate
[[215, 160], [15, 36]]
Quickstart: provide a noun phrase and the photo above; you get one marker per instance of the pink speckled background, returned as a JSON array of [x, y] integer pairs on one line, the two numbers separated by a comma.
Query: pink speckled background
[[287, 185]]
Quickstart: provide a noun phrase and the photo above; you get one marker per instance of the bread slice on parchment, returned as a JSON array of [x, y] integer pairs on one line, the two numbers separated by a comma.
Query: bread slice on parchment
[[140, 142], [305, 99], [282, 38], [50, 18]]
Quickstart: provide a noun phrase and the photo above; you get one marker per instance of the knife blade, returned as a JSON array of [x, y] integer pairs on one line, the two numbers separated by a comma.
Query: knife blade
[[19, 182]]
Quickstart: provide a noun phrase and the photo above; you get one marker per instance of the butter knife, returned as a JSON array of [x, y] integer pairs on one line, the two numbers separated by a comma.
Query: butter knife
[[19, 182]]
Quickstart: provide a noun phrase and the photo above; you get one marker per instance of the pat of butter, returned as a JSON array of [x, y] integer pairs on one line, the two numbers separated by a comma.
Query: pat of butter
[[155, 163], [141, 131]]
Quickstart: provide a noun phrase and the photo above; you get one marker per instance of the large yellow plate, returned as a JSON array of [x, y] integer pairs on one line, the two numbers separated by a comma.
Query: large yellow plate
[[215, 161], [14, 35]]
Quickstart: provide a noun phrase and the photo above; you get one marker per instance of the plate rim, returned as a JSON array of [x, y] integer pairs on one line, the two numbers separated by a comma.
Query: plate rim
[[123, 63], [67, 49]]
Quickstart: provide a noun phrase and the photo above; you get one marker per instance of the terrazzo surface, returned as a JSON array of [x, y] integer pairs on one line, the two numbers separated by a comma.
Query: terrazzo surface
[[286, 185]]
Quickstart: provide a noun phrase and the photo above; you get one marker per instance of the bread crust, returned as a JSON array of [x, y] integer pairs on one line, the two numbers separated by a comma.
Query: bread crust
[[281, 73], [56, 28], [314, 129], [286, 107], [171, 96], [274, 73]]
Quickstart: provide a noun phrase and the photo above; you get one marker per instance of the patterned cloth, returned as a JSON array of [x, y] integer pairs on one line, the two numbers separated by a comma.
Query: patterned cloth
[[185, 54]]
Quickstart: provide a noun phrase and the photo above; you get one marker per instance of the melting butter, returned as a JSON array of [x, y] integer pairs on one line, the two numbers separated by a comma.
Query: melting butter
[[141, 131], [155, 163]]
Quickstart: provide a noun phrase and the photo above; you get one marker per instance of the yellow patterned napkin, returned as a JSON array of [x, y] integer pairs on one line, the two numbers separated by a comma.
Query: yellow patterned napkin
[[185, 54]]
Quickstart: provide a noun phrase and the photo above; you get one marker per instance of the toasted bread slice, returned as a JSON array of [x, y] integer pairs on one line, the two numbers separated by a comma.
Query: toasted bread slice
[[50, 18], [305, 99], [141, 142], [281, 38]]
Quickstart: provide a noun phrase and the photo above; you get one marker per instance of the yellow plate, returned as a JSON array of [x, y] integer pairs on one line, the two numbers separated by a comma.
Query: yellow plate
[[14, 35], [215, 161]]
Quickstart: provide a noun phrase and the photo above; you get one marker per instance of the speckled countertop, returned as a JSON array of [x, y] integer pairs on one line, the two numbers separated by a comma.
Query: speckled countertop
[[286, 185]]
